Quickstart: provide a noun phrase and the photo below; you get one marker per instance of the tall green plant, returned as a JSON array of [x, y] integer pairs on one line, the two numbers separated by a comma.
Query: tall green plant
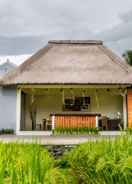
[[75, 131], [27, 164], [128, 56], [103, 161]]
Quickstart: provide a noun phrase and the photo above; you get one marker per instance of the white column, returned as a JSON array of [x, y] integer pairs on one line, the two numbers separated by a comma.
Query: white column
[[97, 121], [18, 111], [125, 111], [53, 122]]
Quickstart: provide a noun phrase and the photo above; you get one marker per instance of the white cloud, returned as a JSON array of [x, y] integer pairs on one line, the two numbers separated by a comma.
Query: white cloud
[[14, 59]]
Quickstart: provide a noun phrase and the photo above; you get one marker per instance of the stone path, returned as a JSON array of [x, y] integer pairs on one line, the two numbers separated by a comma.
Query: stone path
[[52, 140]]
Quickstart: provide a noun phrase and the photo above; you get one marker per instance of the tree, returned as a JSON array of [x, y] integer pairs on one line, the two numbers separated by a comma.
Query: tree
[[128, 56], [33, 111]]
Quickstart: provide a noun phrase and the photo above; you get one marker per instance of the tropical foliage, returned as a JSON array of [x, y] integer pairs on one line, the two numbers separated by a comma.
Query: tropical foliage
[[128, 56]]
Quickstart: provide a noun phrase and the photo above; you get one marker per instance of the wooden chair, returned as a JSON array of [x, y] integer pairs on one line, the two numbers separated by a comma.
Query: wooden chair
[[38, 126], [104, 123], [46, 124], [44, 121], [49, 124]]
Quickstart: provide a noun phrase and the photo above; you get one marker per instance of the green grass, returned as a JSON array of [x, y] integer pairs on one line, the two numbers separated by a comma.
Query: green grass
[[101, 162], [27, 164], [106, 161], [75, 131]]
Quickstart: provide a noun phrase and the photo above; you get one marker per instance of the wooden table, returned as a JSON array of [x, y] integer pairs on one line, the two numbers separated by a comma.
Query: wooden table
[[74, 119]]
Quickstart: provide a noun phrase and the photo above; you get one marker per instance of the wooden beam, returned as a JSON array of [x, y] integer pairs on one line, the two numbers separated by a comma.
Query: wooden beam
[[71, 86], [125, 111], [97, 121]]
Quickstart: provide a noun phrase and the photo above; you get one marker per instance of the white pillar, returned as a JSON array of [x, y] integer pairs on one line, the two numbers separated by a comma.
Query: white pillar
[[53, 122], [125, 111], [97, 121], [18, 111]]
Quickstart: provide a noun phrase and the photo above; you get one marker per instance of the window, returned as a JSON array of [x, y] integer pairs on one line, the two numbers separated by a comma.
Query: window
[[76, 104]]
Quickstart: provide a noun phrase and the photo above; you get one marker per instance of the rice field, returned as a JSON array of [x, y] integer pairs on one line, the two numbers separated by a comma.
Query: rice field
[[27, 164], [101, 162]]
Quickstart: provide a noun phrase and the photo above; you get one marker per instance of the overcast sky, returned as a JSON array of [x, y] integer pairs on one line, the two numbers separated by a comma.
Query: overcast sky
[[26, 25]]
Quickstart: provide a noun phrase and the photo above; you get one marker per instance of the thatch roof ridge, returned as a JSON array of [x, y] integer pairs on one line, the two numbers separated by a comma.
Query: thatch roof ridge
[[90, 42]]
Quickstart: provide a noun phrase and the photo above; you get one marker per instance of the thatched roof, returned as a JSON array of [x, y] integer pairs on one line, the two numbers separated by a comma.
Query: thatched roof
[[72, 62]]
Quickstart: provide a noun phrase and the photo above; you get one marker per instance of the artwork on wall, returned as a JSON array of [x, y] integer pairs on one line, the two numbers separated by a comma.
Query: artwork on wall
[[76, 104]]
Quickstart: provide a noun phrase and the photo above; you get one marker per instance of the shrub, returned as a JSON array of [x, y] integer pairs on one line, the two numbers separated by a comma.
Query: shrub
[[129, 131], [75, 131], [6, 131]]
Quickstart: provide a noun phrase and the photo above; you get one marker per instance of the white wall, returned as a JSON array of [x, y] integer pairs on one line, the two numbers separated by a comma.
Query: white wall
[[7, 108], [107, 104]]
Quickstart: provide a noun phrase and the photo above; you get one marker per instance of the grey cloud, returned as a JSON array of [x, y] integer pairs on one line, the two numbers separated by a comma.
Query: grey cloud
[[119, 38], [20, 45], [37, 17], [30, 44], [121, 46], [121, 31], [27, 25], [126, 17]]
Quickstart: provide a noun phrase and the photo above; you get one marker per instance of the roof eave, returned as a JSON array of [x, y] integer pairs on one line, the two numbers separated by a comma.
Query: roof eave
[[66, 84]]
